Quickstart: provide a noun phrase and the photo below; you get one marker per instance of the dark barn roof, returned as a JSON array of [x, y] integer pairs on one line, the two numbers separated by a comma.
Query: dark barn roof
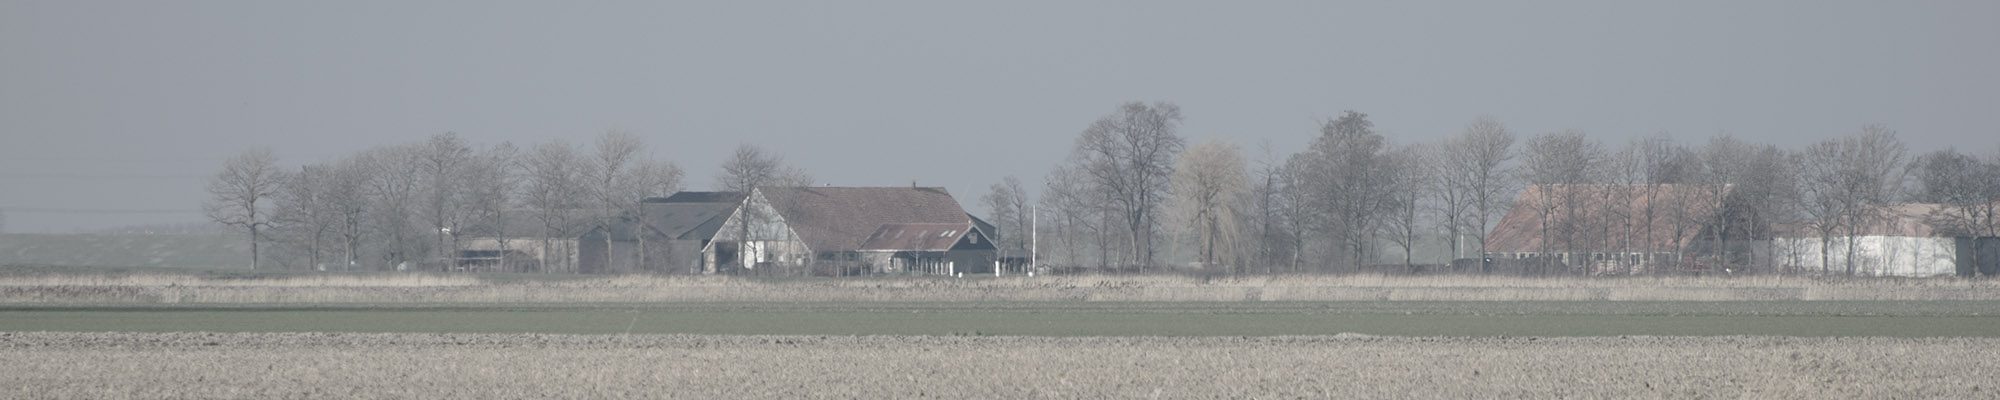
[[687, 221], [685, 215], [698, 197], [992, 232]]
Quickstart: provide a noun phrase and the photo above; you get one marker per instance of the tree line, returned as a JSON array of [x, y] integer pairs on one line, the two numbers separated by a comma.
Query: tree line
[[1134, 195], [409, 205], [1132, 189]]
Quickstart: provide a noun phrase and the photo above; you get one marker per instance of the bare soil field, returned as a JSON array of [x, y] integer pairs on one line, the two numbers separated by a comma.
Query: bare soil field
[[413, 288], [1397, 318], [484, 366]]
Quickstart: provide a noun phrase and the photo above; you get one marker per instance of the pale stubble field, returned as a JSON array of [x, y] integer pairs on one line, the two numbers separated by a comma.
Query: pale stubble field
[[434, 336], [485, 366]]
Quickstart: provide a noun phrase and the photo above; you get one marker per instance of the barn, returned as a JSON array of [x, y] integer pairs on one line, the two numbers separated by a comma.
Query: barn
[[1610, 229], [1901, 241], [850, 230], [665, 236]]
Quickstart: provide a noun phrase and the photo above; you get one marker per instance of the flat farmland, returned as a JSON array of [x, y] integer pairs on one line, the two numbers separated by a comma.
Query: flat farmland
[[487, 366], [1779, 318], [423, 336]]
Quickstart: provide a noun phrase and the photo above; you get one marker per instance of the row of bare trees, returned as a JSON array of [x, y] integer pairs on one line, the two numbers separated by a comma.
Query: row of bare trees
[[1131, 184], [410, 205]]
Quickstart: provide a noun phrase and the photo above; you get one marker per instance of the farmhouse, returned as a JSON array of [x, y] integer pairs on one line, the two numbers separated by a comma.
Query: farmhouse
[[667, 235], [1903, 240], [1610, 228], [850, 230]]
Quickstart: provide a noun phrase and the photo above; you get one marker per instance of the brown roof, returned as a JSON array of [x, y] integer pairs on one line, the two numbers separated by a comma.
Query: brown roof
[[915, 237], [1909, 220], [846, 218], [1606, 208]]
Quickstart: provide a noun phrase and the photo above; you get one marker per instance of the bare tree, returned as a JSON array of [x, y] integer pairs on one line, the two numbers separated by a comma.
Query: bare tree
[[1450, 195], [553, 174], [1725, 164], [652, 178], [1344, 174], [614, 188], [241, 192], [1768, 183], [1969, 190], [442, 158], [345, 193], [1065, 196], [1295, 205], [306, 205], [1408, 184], [1656, 162], [491, 181], [1007, 205], [1129, 155], [1873, 177], [1266, 203], [1821, 199], [1207, 185], [655, 178], [395, 189], [1560, 164], [1479, 165], [1848, 182], [751, 168], [611, 170]]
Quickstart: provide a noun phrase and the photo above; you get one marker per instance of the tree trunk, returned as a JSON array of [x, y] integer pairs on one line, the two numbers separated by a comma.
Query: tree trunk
[[253, 247]]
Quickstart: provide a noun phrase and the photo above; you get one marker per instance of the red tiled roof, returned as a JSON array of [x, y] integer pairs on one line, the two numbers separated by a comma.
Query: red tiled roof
[[1908, 220], [1617, 210]]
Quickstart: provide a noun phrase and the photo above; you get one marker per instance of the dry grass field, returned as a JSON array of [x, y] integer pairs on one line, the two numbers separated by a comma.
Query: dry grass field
[[153, 335], [480, 366], [150, 288]]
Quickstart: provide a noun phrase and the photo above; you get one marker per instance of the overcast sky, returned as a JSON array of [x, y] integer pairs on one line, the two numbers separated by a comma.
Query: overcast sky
[[112, 113]]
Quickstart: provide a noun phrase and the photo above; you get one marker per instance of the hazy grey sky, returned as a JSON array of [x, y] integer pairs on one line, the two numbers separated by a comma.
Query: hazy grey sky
[[127, 106]]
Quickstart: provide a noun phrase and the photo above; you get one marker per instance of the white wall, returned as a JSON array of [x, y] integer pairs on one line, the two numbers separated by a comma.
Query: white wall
[[1873, 255]]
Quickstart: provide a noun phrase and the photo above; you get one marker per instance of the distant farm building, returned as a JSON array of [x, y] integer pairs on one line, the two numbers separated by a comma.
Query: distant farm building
[[1903, 240], [850, 230], [667, 235], [1610, 229], [523, 241]]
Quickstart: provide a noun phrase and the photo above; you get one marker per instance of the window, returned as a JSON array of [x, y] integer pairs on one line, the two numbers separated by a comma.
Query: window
[[946, 233]]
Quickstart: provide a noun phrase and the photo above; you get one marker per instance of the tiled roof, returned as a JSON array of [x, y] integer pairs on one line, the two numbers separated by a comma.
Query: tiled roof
[[845, 218], [914, 237], [1601, 209], [1908, 220]]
